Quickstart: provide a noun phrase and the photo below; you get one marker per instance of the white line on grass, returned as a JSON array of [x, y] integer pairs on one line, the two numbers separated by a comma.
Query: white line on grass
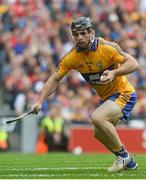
[[50, 175], [51, 168]]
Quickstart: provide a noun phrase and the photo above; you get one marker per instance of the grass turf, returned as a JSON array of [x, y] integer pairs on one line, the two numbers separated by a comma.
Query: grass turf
[[64, 166]]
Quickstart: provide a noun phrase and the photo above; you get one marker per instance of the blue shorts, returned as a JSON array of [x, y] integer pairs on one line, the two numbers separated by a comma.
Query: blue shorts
[[125, 101]]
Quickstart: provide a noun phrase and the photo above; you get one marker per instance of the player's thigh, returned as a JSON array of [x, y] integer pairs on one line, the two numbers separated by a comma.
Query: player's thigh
[[109, 110]]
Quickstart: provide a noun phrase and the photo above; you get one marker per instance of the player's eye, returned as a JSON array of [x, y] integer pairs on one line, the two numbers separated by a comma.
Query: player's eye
[[76, 34], [82, 33]]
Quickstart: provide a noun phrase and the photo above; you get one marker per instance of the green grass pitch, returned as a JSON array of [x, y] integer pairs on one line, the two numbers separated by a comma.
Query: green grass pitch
[[64, 166]]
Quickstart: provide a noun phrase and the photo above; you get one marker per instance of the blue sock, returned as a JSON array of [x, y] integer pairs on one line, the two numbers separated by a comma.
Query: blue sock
[[122, 152]]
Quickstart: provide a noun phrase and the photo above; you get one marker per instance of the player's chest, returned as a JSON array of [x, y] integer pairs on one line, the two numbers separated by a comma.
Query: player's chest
[[92, 63]]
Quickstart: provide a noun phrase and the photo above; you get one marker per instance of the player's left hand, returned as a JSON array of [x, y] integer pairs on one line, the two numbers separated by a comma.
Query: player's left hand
[[107, 77]]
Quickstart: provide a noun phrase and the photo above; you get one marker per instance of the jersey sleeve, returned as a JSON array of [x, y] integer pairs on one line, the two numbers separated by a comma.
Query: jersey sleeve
[[113, 51], [65, 65], [118, 55]]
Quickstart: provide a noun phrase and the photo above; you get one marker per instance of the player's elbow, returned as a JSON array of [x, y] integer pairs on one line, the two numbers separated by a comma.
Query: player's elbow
[[56, 78], [136, 66]]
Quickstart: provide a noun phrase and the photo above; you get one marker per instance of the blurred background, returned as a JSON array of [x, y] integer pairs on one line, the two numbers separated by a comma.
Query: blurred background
[[33, 39]]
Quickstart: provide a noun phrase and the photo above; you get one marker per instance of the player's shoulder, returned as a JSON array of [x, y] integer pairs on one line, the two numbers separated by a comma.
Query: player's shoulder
[[110, 46], [106, 43], [69, 59], [70, 55]]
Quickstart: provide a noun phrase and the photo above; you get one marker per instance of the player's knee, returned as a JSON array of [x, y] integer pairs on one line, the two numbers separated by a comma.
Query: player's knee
[[96, 119]]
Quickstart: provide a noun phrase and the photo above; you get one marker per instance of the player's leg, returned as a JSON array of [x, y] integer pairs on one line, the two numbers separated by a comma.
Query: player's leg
[[103, 119], [98, 135], [114, 168], [126, 102]]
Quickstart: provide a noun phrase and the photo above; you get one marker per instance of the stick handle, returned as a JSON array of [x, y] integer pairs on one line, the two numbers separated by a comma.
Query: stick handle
[[8, 122], [21, 116]]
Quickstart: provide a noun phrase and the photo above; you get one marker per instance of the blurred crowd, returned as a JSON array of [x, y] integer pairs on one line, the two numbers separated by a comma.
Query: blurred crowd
[[34, 38]]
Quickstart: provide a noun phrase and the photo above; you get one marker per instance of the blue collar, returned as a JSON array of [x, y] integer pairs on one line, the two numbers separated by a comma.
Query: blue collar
[[94, 44]]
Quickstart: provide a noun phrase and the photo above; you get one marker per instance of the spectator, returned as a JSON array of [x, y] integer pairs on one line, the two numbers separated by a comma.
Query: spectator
[[53, 128], [34, 36], [3, 141]]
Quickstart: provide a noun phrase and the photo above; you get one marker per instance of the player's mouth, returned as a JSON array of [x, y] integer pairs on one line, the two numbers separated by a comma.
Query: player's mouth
[[82, 44]]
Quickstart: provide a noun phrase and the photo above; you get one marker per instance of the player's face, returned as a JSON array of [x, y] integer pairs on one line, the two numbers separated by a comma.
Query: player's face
[[83, 38]]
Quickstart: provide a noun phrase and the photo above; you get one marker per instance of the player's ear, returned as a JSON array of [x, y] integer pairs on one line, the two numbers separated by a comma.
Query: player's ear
[[93, 32]]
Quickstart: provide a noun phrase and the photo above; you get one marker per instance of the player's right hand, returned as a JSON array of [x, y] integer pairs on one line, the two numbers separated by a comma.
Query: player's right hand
[[107, 76], [36, 108]]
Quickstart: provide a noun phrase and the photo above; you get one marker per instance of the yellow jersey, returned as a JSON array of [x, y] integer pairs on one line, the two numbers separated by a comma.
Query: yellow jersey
[[104, 55]]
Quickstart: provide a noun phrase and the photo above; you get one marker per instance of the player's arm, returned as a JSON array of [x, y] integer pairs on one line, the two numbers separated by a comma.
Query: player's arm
[[66, 64], [130, 65], [49, 87]]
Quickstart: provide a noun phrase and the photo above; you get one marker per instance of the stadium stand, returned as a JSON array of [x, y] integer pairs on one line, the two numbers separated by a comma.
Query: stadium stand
[[34, 38]]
